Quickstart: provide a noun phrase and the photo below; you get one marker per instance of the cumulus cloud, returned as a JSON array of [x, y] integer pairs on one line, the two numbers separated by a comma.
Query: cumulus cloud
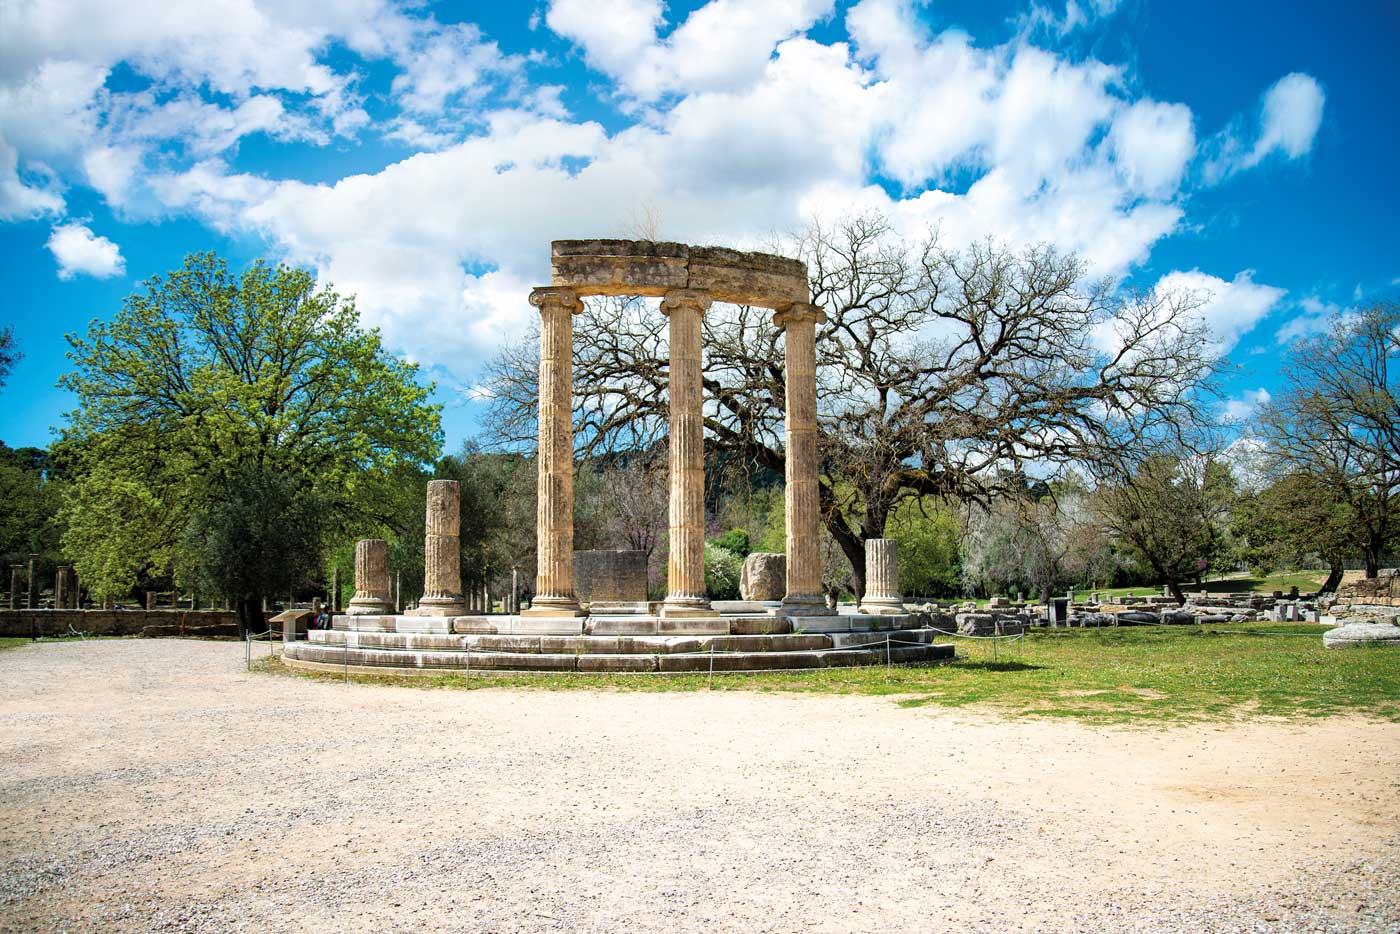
[[738, 124], [1290, 113], [81, 252], [1231, 309], [1242, 407]]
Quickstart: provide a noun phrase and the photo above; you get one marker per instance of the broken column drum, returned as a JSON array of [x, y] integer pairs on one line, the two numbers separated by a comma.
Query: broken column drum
[[882, 577], [442, 552], [371, 579]]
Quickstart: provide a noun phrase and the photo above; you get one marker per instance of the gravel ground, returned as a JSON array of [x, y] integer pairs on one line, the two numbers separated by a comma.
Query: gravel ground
[[153, 785]]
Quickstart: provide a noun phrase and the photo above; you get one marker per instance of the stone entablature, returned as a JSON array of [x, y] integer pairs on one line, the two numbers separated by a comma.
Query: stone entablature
[[644, 267]]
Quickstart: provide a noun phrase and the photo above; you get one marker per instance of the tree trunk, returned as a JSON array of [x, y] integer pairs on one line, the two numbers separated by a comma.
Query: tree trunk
[[1175, 587], [1334, 579], [250, 616], [1374, 545]]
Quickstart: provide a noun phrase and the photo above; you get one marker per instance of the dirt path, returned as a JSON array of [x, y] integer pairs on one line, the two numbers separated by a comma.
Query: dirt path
[[153, 785]]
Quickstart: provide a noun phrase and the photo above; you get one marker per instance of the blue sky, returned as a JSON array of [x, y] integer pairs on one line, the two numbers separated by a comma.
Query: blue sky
[[422, 157]]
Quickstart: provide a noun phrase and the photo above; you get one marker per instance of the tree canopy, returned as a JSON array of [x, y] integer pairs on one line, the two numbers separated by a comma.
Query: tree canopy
[[206, 385]]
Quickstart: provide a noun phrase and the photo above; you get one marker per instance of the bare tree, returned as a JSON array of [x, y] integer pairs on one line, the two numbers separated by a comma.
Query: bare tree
[[1339, 420], [941, 372]]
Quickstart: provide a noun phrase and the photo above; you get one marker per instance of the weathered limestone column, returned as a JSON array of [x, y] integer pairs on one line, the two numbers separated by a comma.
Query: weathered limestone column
[[554, 535], [882, 577], [803, 502], [60, 588], [335, 590], [16, 575], [32, 599], [371, 579], [685, 578]]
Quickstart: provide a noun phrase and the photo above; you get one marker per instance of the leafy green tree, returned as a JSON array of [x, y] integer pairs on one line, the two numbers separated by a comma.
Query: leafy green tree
[[1170, 516], [930, 558], [1294, 518], [735, 541], [280, 514], [722, 571], [204, 377]]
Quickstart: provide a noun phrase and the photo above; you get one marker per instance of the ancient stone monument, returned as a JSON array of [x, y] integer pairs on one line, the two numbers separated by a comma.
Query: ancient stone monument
[[620, 630], [882, 577], [442, 552], [371, 579]]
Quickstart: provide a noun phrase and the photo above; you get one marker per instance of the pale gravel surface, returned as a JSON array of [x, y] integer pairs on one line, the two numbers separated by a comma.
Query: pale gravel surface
[[155, 786]]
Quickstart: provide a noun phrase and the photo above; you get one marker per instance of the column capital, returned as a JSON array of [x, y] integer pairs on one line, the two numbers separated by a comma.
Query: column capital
[[798, 311], [548, 297], [699, 299]]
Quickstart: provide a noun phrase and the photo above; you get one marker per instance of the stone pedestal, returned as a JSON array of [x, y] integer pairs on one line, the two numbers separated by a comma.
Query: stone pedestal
[[371, 579], [611, 582], [554, 584], [882, 577], [442, 553], [803, 503], [764, 577], [686, 595]]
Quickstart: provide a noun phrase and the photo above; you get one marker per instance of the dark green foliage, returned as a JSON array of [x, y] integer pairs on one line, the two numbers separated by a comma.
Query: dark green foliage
[[735, 541]]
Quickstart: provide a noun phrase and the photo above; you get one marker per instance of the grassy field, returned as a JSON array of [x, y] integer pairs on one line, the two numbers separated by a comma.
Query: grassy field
[[1118, 675]]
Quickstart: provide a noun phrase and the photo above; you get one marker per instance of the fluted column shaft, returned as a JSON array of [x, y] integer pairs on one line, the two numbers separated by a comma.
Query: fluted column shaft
[[803, 500], [371, 578], [554, 535], [882, 577], [442, 553], [686, 594]]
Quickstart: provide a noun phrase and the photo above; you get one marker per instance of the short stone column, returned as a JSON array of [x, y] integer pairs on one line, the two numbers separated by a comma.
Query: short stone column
[[442, 552], [554, 531], [882, 577], [803, 501], [685, 577], [371, 579], [16, 575], [60, 588]]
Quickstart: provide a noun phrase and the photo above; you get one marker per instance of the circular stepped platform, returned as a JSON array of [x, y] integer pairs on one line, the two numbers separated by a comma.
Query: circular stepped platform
[[367, 645]]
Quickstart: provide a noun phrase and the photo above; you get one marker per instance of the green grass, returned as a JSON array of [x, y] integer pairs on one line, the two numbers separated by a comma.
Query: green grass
[[14, 642], [1118, 675]]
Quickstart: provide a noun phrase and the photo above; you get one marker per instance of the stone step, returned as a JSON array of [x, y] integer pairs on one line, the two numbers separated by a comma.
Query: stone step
[[572, 645], [331, 656]]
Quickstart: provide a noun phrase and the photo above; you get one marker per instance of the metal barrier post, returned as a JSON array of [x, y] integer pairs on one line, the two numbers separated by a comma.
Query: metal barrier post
[[248, 650], [887, 658], [710, 684], [345, 656]]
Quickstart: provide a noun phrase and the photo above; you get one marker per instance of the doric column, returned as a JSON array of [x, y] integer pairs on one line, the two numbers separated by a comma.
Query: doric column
[[442, 553], [685, 577], [16, 575], [60, 590], [882, 577], [554, 532], [803, 503], [371, 579], [32, 598]]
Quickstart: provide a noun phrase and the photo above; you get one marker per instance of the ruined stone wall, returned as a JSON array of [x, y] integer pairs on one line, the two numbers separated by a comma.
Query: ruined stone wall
[[23, 623]]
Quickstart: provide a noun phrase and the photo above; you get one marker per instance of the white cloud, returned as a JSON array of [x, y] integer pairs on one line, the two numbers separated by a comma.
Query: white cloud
[[1242, 407], [79, 251], [1290, 113], [1152, 143], [19, 201], [1314, 317], [1231, 309]]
